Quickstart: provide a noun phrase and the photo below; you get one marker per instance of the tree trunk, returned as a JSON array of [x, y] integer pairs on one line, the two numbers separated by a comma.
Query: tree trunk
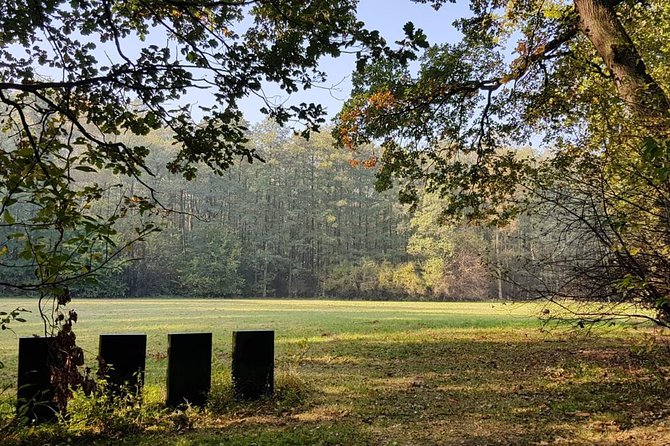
[[265, 269], [499, 282], [634, 84]]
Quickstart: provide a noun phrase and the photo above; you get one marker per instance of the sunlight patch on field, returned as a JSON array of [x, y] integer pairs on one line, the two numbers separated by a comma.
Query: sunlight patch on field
[[410, 373]]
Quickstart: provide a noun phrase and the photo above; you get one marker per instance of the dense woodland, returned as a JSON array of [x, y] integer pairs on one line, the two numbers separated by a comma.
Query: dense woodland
[[305, 222]]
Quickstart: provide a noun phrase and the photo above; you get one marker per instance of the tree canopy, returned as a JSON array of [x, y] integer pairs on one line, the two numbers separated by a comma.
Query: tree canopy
[[522, 71], [588, 78], [80, 76]]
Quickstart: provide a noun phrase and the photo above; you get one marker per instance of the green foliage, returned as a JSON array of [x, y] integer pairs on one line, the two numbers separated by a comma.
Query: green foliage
[[590, 80], [12, 316], [210, 264], [8, 317], [107, 282], [520, 72], [108, 413], [70, 117], [305, 223], [274, 229], [64, 103]]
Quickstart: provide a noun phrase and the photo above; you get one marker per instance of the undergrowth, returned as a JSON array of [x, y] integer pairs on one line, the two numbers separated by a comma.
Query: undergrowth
[[117, 415]]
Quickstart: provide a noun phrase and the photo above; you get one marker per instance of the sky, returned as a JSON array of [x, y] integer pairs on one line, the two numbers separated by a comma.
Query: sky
[[387, 16]]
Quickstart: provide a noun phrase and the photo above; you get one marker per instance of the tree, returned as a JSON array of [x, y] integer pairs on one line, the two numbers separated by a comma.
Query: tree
[[446, 125], [74, 87], [589, 77]]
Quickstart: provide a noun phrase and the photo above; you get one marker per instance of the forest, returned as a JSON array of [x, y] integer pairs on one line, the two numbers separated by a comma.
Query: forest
[[305, 222], [117, 182]]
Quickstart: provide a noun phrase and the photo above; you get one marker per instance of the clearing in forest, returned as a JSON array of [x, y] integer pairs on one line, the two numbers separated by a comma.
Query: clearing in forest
[[379, 373]]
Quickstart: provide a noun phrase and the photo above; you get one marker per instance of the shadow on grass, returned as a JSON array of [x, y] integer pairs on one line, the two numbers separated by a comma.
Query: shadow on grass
[[497, 391], [435, 388]]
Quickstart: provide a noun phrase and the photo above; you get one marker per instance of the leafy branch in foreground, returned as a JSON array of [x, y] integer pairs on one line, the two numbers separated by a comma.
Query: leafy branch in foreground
[[588, 78], [81, 78], [8, 317]]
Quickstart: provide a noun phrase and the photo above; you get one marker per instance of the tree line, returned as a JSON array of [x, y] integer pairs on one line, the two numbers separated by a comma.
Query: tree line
[[589, 76], [305, 222]]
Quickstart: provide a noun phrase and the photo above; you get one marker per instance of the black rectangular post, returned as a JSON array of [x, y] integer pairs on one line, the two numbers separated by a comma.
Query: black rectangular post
[[189, 370], [34, 398], [253, 363], [122, 359]]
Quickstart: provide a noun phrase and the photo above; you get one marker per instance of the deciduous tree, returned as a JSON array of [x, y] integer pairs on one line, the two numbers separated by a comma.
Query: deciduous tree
[[78, 75], [588, 77]]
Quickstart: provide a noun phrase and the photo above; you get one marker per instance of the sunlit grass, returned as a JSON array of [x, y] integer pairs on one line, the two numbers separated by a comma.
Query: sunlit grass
[[406, 373], [293, 320]]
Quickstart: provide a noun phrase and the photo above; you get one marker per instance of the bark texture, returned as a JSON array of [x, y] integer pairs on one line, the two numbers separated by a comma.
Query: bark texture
[[634, 84]]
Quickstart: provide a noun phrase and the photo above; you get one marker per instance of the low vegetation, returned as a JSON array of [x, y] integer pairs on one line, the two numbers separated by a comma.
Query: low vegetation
[[359, 373]]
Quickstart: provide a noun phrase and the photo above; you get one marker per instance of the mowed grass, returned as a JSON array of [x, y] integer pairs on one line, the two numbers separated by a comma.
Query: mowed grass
[[403, 373]]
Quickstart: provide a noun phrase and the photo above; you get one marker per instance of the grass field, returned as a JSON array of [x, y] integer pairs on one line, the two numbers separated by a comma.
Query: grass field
[[385, 373]]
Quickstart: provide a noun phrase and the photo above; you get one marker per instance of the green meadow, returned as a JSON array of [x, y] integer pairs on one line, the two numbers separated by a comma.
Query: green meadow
[[379, 373]]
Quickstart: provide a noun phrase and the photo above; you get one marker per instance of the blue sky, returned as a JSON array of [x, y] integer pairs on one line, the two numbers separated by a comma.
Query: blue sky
[[387, 16]]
